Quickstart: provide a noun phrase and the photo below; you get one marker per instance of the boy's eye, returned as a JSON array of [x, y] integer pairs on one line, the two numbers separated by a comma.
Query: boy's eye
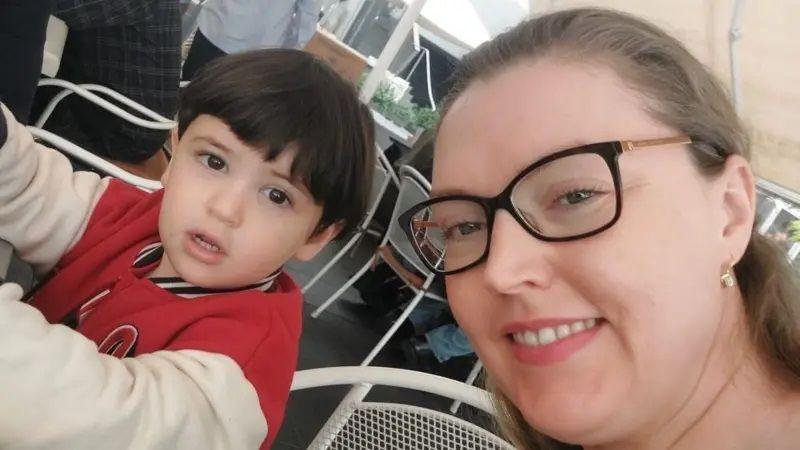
[[213, 162], [276, 196]]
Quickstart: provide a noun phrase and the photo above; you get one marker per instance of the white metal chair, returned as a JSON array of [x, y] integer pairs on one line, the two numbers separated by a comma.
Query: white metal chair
[[413, 188], [357, 424], [380, 182], [87, 157], [87, 91]]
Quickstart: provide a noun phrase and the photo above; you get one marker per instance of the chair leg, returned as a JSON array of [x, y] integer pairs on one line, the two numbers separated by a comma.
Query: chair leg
[[473, 374], [344, 287], [333, 261], [393, 329]]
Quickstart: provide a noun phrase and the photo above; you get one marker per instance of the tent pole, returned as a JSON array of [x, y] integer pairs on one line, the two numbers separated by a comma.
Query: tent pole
[[398, 36]]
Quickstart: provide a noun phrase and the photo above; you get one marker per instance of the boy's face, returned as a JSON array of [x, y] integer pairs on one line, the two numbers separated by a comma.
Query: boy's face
[[229, 218]]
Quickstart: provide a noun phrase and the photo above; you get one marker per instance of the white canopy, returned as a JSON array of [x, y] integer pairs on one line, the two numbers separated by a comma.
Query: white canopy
[[468, 23]]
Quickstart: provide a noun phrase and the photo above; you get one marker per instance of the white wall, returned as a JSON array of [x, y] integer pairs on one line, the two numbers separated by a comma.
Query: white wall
[[769, 65]]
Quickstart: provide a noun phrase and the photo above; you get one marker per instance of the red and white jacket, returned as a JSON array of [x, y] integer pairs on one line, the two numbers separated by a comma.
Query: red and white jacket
[[104, 357]]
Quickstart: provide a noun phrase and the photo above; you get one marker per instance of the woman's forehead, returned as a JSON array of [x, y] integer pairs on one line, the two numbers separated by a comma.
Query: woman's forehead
[[499, 126]]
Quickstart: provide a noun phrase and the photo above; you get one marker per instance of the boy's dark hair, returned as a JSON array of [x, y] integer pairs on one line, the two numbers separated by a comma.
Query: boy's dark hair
[[276, 97]]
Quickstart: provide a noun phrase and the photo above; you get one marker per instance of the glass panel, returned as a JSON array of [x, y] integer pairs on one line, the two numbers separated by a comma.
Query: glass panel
[[782, 229], [369, 27], [764, 206]]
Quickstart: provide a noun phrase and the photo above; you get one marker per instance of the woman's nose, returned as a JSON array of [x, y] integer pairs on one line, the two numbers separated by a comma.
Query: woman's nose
[[516, 260]]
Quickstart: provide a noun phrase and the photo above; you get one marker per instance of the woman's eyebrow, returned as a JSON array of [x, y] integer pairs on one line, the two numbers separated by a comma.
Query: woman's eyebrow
[[448, 192]]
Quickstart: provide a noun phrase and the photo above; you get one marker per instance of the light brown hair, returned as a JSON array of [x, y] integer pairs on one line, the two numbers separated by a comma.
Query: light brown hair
[[680, 92]]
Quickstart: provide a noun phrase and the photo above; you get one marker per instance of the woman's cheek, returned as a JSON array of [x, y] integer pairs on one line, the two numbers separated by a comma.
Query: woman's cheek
[[470, 304]]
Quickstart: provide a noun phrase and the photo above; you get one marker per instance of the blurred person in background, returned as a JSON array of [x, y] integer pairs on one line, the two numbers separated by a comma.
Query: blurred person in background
[[226, 27], [132, 47], [23, 30]]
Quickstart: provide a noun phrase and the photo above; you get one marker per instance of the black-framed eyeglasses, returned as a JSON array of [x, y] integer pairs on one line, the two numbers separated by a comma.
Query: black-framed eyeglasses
[[569, 195]]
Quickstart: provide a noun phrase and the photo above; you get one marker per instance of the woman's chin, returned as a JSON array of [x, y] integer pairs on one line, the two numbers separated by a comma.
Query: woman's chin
[[570, 417]]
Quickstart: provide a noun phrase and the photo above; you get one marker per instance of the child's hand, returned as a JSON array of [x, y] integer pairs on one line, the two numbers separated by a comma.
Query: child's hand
[[10, 291]]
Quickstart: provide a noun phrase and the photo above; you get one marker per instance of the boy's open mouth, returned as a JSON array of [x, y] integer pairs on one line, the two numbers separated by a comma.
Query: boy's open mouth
[[206, 242]]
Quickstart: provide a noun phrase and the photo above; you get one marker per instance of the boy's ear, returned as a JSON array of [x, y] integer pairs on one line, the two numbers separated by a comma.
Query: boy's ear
[[173, 145], [318, 241], [173, 140]]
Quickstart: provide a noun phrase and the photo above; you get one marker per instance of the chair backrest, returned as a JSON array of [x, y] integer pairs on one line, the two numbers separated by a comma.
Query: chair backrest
[[356, 424], [387, 165], [87, 91], [388, 426], [380, 181], [414, 188], [93, 160]]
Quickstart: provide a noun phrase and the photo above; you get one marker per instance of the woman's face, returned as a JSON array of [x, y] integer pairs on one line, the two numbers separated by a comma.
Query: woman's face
[[651, 282]]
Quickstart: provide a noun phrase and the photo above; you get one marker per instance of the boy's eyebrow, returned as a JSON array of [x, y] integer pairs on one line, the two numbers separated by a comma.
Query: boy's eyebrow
[[294, 181], [282, 176], [213, 142]]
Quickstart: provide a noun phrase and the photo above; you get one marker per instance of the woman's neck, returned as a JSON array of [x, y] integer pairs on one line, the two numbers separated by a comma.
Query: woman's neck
[[740, 403], [737, 402], [751, 411]]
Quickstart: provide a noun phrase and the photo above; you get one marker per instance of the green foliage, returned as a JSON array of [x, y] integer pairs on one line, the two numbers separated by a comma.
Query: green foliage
[[426, 118], [404, 114], [383, 97], [794, 231]]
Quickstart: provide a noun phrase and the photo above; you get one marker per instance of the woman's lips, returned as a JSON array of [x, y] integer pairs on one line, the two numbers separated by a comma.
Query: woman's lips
[[548, 341]]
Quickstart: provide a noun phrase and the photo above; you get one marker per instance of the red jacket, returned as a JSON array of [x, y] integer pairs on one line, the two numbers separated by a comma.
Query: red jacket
[[96, 289]]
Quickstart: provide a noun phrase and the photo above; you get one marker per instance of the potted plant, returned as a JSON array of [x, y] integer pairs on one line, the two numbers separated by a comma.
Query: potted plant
[[405, 114]]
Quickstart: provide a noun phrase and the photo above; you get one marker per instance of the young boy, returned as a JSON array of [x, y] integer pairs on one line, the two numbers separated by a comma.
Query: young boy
[[187, 330]]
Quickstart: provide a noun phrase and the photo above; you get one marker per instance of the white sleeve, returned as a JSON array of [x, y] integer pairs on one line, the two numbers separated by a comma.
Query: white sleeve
[[44, 205], [58, 392]]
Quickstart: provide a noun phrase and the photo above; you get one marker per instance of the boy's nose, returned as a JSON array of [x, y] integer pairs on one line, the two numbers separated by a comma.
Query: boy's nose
[[227, 206]]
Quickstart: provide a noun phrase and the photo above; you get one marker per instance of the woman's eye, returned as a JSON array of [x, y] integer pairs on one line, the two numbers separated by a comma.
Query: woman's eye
[[463, 229], [576, 196], [213, 162], [277, 196]]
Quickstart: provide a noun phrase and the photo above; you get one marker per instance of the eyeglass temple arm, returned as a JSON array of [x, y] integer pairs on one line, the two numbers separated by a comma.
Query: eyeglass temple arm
[[418, 224], [633, 145]]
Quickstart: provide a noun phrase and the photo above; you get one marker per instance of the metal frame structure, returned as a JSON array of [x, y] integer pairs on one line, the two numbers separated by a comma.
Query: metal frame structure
[[351, 424], [384, 175]]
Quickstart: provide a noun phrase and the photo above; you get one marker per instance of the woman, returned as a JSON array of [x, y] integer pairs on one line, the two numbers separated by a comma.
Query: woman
[[592, 196]]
